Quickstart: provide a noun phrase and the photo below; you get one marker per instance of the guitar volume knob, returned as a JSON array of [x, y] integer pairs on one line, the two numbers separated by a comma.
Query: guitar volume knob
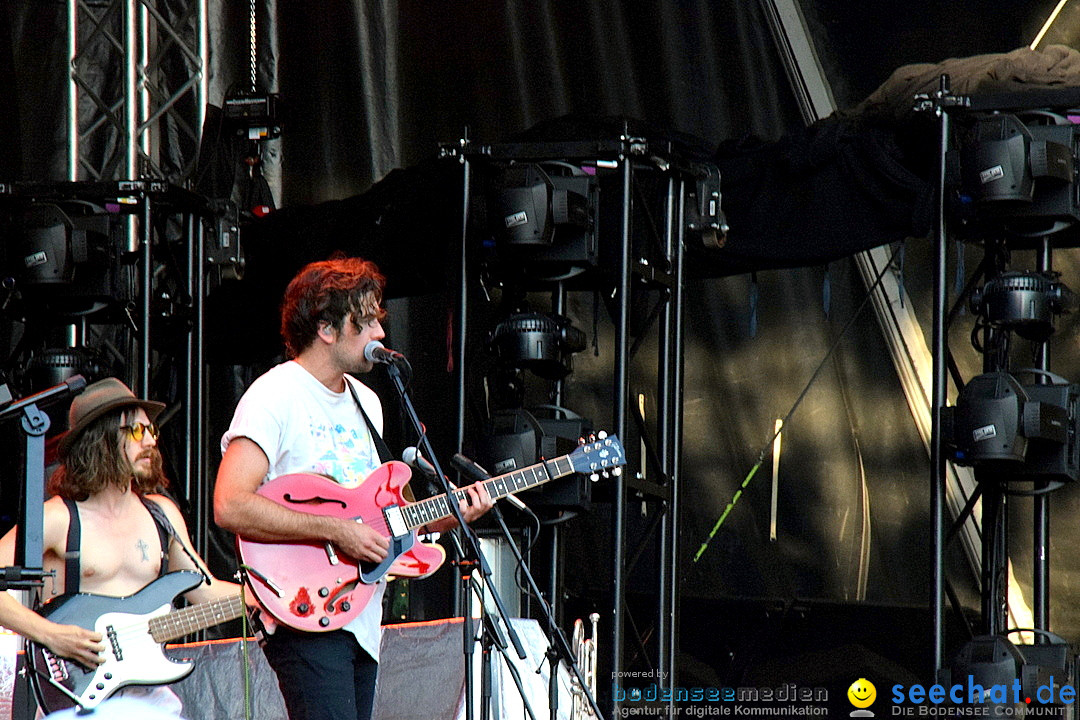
[[303, 608], [323, 592], [344, 606], [324, 621]]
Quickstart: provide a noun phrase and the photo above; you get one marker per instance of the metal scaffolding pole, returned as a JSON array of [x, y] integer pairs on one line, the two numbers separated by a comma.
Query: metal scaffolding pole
[[137, 95], [137, 81], [638, 261]]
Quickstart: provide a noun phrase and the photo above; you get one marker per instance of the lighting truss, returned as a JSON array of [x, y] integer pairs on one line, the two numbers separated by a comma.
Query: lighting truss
[[137, 88]]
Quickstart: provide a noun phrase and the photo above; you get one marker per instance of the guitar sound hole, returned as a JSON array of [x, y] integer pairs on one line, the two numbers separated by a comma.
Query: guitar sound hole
[[288, 497]]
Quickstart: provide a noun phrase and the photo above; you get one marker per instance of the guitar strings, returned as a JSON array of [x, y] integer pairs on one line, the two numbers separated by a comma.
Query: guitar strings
[[197, 612]]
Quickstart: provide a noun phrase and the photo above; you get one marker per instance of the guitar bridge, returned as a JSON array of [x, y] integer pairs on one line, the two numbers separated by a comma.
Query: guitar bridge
[[57, 666]]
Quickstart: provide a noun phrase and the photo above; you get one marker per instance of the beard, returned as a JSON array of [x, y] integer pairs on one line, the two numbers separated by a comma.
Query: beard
[[345, 358], [148, 474]]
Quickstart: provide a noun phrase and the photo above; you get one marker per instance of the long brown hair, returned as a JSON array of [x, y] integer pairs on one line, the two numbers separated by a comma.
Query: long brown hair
[[95, 460]]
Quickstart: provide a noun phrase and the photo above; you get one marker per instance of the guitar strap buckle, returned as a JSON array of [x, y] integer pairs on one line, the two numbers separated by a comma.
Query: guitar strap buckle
[[256, 625]]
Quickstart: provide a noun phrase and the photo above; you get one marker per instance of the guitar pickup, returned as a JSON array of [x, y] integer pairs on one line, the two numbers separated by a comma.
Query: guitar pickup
[[395, 521], [114, 641]]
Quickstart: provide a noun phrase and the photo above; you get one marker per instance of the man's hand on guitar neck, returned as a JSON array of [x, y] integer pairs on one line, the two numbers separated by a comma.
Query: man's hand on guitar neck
[[479, 502]]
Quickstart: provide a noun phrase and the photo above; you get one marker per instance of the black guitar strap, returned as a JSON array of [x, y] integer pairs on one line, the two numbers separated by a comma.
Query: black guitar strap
[[167, 531], [71, 549], [72, 568], [380, 444]]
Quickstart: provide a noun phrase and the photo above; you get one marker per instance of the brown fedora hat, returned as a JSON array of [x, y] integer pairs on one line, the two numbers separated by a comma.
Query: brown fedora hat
[[96, 400]]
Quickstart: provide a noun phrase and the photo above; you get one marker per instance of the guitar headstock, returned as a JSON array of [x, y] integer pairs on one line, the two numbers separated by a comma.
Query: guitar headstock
[[601, 455]]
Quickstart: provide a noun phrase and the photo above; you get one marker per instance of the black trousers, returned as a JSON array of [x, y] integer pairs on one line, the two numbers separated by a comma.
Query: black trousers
[[322, 676]]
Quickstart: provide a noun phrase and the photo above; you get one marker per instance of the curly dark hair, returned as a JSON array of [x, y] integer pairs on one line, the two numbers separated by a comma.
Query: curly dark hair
[[329, 292], [96, 460]]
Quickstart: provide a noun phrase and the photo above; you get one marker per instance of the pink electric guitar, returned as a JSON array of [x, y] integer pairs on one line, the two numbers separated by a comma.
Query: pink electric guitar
[[309, 586]]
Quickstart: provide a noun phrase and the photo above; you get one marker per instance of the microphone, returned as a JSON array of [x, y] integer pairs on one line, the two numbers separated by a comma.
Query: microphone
[[414, 459], [473, 470], [376, 352]]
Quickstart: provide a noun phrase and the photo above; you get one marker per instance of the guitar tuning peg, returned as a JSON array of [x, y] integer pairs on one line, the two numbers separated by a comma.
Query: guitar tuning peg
[[592, 438], [616, 472], [580, 441], [594, 477], [605, 474], [602, 434]]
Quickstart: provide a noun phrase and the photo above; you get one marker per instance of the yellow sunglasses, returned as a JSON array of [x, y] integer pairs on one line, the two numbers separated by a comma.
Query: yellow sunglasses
[[137, 430]]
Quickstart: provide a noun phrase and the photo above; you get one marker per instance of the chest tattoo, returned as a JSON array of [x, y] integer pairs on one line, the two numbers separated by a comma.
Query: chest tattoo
[[143, 547]]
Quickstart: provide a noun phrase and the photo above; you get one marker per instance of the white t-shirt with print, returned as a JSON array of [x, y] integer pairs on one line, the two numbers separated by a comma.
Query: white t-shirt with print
[[303, 426]]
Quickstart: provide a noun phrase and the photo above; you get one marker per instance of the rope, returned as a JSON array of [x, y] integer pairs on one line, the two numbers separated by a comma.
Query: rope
[[798, 401], [252, 37]]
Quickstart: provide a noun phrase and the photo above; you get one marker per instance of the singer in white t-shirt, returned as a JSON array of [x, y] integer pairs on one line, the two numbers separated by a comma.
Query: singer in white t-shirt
[[304, 415]]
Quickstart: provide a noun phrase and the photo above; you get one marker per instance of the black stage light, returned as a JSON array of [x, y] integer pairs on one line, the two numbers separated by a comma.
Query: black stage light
[[996, 164], [49, 247], [1026, 429], [543, 219], [985, 674], [986, 425], [52, 366], [530, 205], [62, 257], [1018, 172], [515, 439], [1025, 302], [541, 342], [1050, 424], [254, 115]]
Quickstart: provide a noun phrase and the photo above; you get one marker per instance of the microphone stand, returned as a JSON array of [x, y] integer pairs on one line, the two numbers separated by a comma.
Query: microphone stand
[[29, 572], [557, 640], [29, 538], [476, 557]]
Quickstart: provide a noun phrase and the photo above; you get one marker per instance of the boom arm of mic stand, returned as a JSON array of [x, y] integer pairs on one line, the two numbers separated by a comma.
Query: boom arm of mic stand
[[474, 542], [556, 634]]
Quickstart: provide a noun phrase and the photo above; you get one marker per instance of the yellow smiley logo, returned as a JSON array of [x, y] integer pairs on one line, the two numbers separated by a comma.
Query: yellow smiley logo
[[862, 693]]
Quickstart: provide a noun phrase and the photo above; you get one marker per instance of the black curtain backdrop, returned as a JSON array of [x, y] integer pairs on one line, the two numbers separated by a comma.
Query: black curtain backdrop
[[372, 86]]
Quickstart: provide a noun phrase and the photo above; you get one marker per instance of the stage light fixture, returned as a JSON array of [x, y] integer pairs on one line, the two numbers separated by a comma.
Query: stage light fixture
[[986, 662], [62, 257], [50, 247], [1024, 302], [541, 342], [254, 115], [543, 218], [986, 425], [1017, 172], [1028, 430], [515, 439]]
